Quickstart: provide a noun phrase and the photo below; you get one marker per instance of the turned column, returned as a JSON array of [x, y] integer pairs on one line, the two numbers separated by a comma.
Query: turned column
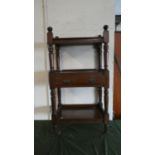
[[58, 68], [51, 62], [106, 93], [99, 67]]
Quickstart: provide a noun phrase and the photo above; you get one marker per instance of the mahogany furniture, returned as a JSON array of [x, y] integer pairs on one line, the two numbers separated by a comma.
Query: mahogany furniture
[[97, 78]]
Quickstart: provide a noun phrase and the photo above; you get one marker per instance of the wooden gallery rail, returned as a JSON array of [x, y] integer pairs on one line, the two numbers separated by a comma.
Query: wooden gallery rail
[[97, 78]]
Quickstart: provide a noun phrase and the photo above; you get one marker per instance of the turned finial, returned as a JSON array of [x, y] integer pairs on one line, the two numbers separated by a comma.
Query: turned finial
[[105, 27], [105, 34], [50, 29], [49, 35]]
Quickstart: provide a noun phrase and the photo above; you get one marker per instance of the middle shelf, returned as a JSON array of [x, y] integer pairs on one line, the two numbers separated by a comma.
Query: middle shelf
[[79, 78]]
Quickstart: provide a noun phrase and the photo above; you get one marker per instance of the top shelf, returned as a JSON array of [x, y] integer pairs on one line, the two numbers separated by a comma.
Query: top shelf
[[78, 41]]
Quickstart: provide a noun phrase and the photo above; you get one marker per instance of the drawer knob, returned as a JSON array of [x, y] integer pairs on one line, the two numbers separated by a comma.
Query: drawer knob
[[66, 81]]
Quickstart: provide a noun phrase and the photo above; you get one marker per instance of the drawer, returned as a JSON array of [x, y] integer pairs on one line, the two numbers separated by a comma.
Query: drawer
[[91, 78]]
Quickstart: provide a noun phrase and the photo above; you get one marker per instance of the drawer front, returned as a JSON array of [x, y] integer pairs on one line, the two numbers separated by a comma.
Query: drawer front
[[81, 79]]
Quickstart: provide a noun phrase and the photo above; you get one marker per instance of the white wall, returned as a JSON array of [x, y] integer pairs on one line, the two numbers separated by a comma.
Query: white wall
[[70, 18]]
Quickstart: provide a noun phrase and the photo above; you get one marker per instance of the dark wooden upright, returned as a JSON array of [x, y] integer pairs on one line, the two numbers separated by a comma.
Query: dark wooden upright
[[51, 62], [106, 96], [97, 78]]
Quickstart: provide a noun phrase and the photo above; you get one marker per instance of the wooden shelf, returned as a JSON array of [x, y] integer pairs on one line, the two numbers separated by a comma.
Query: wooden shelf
[[78, 41], [79, 78], [78, 70], [80, 113]]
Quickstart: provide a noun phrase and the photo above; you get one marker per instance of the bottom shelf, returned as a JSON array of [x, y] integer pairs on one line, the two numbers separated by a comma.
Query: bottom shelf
[[80, 113]]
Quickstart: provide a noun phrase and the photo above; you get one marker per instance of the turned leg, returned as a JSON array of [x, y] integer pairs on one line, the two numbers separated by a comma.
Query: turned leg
[[106, 114], [106, 95]]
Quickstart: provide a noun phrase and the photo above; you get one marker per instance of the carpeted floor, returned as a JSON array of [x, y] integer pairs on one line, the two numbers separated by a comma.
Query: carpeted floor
[[77, 139]]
